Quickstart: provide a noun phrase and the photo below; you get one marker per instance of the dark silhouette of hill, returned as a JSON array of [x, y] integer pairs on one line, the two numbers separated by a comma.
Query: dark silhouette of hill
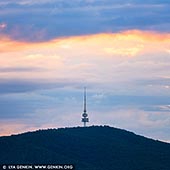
[[91, 148]]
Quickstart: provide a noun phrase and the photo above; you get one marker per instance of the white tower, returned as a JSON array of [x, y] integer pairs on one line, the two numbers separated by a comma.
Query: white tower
[[85, 118]]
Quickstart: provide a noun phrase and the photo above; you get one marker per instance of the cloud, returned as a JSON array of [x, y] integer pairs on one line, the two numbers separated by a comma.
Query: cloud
[[3, 26], [160, 81], [50, 19], [17, 86], [8, 86], [41, 83], [98, 59], [19, 69]]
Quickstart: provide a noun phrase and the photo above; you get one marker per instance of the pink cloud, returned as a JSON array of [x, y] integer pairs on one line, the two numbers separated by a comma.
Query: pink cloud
[[3, 26]]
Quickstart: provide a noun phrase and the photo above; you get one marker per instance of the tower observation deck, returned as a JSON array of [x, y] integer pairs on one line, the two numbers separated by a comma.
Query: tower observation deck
[[85, 118]]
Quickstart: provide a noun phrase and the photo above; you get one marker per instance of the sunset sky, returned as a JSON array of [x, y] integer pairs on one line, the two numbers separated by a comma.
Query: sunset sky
[[119, 50]]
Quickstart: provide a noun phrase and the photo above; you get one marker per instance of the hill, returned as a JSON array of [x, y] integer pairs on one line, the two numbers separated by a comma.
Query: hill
[[91, 148]]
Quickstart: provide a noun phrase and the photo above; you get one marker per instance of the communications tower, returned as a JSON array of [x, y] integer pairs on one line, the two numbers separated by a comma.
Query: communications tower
[[85, 118]]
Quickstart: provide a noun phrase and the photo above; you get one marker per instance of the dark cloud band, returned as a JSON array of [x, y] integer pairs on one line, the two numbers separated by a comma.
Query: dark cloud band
[[48, 19]]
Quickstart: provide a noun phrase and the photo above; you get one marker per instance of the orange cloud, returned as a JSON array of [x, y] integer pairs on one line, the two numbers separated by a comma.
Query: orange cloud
[[64, 57], [132, 37], [8, 45], [149, 36]]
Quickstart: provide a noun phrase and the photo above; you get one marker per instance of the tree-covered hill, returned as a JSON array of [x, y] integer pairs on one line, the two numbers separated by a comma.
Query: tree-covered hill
[[90, 148]]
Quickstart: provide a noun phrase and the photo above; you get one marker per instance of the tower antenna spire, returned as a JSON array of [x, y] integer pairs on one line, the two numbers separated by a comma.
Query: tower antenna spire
[[85, 99], [85, 118]]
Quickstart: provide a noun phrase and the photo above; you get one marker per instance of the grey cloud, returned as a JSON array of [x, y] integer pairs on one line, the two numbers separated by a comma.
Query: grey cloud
[[157, 108], [8, 86], [20, 69], [38, 104], [155, 81], [124, 100], [48, 19], [21, 86], [14, 109]]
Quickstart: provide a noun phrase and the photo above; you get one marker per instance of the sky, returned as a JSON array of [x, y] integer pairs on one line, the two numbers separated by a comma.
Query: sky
[[119, 50]]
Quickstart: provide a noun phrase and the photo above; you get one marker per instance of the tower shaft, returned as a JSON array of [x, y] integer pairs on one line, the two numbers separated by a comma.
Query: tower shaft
[[85, 118], [85, 100]]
